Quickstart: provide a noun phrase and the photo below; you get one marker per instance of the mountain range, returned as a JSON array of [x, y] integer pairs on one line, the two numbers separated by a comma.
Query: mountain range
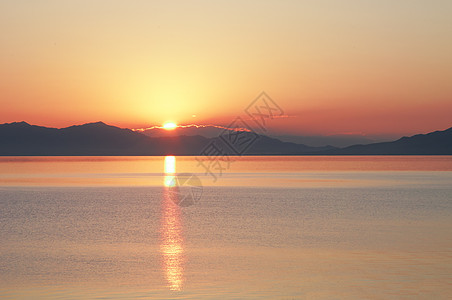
[[210, 131], [21, 139]]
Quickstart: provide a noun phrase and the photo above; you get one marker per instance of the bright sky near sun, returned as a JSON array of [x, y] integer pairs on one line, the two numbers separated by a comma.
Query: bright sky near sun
[[371, 67]]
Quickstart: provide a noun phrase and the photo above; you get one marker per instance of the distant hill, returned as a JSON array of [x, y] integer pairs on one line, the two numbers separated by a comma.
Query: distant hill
[[337, 140], [267, 145], [20, 139], [211, 131], [434, 143]]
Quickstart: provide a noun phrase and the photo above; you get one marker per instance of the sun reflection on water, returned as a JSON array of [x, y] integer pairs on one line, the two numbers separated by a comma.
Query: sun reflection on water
[[171, 239]]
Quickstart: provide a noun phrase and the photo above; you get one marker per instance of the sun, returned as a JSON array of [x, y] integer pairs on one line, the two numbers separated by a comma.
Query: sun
[[169, 126]]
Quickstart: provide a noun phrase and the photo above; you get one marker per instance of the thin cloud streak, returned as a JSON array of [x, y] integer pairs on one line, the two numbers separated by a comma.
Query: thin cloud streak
[[192, 126]]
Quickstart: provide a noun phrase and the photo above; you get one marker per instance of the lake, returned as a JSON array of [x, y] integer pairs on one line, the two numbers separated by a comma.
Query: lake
[[293, 227]]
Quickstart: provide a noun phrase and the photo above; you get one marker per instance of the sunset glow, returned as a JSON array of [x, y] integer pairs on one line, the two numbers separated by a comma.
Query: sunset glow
[[169, 126], [331, 67], [200, 149]]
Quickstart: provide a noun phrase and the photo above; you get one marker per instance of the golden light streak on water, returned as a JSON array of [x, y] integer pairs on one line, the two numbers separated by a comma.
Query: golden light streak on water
[[170, 164], [172, 241], [170, 168]]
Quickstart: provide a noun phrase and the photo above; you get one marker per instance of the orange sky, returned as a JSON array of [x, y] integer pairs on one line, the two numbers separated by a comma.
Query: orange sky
[[367, 67]]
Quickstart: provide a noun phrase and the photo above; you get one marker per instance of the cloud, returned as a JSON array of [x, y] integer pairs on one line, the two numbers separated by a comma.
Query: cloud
[[192, 126]]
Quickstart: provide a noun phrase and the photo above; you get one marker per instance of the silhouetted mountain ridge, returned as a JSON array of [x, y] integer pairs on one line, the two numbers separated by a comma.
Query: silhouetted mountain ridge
[[211, 131], [433, 143], [101, 139], [98, 138]]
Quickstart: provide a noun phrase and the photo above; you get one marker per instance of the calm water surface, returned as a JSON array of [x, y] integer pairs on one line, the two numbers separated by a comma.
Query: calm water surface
[[266, 227]]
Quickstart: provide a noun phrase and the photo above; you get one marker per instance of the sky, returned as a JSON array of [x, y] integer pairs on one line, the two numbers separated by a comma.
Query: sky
[[333, 67]]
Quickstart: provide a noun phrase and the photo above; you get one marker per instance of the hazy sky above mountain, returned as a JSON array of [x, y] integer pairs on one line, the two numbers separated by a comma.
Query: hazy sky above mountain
[[361, 67]]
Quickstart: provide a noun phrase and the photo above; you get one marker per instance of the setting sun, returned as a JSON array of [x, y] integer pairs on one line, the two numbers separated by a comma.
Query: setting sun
[[169, 126]]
